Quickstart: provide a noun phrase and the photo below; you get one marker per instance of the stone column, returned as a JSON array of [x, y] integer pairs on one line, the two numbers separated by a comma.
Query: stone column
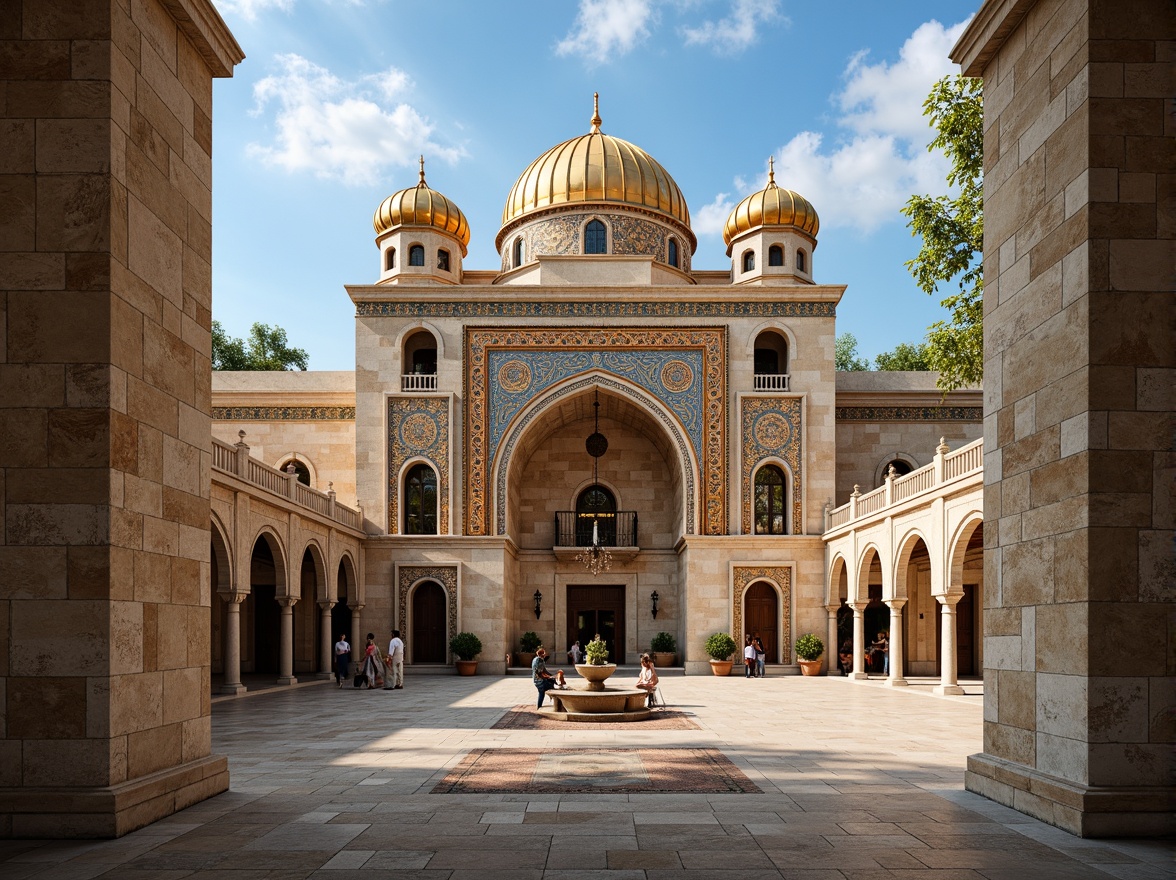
[[358, 638], [895, 679], [286, 641], [105, 307], [831, 639], [948, 684], [1079, 249], [859, 640], [232, 683], [327, 641]]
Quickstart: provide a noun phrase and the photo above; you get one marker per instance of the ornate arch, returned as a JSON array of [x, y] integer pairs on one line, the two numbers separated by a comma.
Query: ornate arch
[[861, 573], [780, 578], [318, 558], [906, 546], [409, 577], [281, 559], [222, 548], [771, 431], [958, 547], [418, 431]]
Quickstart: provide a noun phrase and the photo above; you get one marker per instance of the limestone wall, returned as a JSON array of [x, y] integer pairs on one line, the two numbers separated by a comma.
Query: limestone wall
[[865, 446]]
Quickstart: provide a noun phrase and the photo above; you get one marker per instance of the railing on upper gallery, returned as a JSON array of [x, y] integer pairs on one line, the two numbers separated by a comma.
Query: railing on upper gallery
[[418, 382], [948, 466], [771, 382], [617, 529], [236, 460]]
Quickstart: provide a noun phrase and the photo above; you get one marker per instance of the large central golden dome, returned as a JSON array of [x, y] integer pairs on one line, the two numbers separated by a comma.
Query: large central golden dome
[[595, 168]]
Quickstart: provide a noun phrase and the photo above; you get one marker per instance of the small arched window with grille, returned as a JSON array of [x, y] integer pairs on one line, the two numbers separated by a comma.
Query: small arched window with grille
[[420, 501], [416, 255], [771, 515], [673, 252], [748, 261], [389, 259], [443, 259], [595, 238], [801, 261], [517, 255], [775, 255]]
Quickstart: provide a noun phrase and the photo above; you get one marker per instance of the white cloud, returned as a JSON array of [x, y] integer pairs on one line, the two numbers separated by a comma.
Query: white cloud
[[606, 29], [738, 30], [250, 9], [862, 179], [339, 129], [710, 219]]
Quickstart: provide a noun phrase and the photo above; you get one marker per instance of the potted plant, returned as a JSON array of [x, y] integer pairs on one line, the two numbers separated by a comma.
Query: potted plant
[[466, 646], [719, 647], [529, 642], [809, 649], [596, 668], [663, 646]]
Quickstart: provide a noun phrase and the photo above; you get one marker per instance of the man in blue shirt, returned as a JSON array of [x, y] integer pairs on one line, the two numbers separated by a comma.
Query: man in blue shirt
[[544, 680]]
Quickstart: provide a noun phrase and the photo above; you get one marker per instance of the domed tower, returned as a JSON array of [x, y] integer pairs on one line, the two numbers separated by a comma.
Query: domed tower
[[598, 197], [422, 236], [771, 236]]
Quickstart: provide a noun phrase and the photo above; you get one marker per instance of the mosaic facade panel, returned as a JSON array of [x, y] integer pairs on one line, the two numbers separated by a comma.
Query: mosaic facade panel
[[593, 309], [742, 578], [418, 427], [909, 413], [284, 413], [771, 428], [506, 369], [560, 234], [445, 575]]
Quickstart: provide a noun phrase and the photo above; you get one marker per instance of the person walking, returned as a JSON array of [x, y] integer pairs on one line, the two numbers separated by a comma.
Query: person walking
[[394, 674], [761, 656], [373, 662], [576, 653], [342, 659]]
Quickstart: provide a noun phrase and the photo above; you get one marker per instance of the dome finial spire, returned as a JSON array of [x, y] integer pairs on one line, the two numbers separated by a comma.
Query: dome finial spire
[[596, 113], [771, 170], [421, 182]]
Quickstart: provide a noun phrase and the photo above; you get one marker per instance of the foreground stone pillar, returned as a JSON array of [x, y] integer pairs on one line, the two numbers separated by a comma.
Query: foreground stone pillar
[[358, 638], [232, 683], [326, 648], [833, 647], [1079, 249], [895, 678], [105, 309], [859, 640], [286, 641], [948, 683]]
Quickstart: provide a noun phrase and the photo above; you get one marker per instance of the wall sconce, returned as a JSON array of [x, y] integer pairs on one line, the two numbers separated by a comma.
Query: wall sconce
[[654, 596], [538, 604]]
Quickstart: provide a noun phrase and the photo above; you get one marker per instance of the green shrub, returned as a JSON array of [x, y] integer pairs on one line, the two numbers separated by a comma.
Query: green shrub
[[720, 646], [466, 646], [596, 651], [529, 642], [664, 643], [809, 647]]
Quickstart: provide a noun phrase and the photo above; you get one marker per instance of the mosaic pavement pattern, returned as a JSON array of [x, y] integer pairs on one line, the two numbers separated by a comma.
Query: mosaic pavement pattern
[[595, 771], [527, 717]]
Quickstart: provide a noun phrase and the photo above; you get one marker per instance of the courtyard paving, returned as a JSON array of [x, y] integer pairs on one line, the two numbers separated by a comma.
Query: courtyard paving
[[856, 780]]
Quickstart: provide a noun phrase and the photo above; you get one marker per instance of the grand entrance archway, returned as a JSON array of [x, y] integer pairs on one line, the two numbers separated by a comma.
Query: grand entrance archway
[[428, 623], [593, 610]]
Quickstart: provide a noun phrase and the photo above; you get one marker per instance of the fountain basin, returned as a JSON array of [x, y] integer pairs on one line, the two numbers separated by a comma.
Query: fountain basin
[[613, 704], [595, 675]]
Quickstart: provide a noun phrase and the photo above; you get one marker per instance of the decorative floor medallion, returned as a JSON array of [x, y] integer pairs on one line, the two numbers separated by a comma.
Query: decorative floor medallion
[[600, 771]]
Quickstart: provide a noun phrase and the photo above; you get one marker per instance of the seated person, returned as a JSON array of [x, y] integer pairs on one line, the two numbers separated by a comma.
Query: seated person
[[647, 680], [845, 657], [543, 680]]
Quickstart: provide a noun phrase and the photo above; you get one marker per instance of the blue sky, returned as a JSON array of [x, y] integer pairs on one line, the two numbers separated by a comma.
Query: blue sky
[[337, 98]]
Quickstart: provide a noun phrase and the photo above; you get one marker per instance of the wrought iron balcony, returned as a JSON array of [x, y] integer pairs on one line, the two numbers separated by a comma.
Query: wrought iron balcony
[[618, 529]]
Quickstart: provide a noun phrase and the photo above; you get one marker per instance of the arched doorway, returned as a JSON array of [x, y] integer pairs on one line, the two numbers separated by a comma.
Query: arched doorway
[[428, 623], [267, 615], [969, 573], [761, 611], [307, 620], [341, 612], [876, 615], [921, 631]]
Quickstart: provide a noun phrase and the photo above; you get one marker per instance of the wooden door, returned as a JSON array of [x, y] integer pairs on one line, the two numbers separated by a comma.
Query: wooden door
[[428, 623], [596, 610], [966, 632], [761, 615]]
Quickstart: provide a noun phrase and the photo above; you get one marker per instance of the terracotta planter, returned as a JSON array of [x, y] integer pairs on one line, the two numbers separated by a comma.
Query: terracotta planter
[[662, 660], [721, 667], [466, 667], [595, 675], [522, 659], [810, 667]]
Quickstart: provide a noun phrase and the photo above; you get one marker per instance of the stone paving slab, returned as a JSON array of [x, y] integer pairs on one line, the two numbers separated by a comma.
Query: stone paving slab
[[857, 782]]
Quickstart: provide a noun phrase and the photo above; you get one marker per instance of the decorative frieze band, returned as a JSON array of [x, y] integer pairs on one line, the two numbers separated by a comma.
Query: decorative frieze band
[[284, 413], [909, 413], [595, 309]]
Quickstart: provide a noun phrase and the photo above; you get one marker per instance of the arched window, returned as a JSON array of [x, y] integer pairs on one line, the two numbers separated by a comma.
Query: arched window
[[748, 261], [416, 255], [420, 501], [389, 259], [673, 252], [596, 505], [595, 238], [801, 261], [300, 469], [775, 255], [517, 257], [443, 259], [771, 517]]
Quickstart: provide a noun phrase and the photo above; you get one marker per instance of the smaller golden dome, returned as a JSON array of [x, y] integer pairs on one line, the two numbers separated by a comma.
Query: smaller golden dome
[[422, 206], [771, 206]]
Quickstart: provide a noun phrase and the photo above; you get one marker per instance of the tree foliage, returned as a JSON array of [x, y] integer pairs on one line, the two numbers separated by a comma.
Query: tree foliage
[[952, 229], [906, 356], [265, 349], [845, 353]]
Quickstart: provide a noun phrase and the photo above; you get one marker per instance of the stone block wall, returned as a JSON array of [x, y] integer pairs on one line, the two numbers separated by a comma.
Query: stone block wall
[[105, 300], [1079, 277]]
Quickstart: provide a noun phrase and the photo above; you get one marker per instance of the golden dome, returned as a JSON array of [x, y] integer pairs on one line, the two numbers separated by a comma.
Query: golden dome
[[771, 206], [422, 206], [594, 168]]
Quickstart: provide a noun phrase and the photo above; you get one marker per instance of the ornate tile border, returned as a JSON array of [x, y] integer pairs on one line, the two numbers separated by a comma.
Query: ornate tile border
[[284, 413], [909, 413], [743, 577], [418, 427], [594, 309], [771, 428], [445, 575], [506, 369]]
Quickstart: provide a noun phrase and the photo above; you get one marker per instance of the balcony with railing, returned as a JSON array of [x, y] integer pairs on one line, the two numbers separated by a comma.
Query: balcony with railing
[[616, 529], [771, 382], [418, 382]]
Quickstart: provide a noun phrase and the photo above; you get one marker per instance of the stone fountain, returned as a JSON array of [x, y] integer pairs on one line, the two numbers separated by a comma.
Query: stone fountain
[[595, 701]]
